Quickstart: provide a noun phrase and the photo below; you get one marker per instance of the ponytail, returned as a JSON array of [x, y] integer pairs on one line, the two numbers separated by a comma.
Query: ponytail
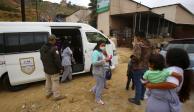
[[184, 93]]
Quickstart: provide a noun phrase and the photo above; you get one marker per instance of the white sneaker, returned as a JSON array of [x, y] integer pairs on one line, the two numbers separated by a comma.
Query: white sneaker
[[100, 102], [112, 67]]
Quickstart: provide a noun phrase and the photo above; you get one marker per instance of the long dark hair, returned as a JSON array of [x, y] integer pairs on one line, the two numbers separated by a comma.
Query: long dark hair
[[179, 57], [97, 47]]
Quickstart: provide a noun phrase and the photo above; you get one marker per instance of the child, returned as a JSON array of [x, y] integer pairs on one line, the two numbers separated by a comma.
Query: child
[[156, 72], [129, 72]]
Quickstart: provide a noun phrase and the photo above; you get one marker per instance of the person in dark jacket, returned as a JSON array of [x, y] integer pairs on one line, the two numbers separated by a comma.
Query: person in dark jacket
[[52, 67]]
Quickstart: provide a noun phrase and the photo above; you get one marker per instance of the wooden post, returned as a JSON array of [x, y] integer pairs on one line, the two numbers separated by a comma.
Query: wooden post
[[134, 23], [139, 21], [171, 29], [37, 10], [148, 17], [23, 10], [158, 30]]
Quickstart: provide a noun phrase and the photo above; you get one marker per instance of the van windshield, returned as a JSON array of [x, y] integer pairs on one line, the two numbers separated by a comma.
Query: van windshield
[[188, 47], [94, 37]]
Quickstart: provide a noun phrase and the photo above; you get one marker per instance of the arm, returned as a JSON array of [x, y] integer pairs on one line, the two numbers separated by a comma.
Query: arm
[[177, 76], [145, 78], [163, 85], [56, 57]]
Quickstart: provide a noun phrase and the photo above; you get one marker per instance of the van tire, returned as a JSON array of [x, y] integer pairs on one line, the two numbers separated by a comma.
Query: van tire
[[7, 86], [91, 70]]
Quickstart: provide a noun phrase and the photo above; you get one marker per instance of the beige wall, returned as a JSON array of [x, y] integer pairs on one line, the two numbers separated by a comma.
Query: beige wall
[[183, 17], [103, 22], [169, 12], [125, 6]]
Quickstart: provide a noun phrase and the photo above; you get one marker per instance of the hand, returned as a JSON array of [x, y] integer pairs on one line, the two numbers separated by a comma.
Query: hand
[[144, 81], [104, 61], [107, 59]]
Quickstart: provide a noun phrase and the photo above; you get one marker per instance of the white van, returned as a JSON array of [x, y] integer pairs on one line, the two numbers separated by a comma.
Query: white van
[[20, 43]]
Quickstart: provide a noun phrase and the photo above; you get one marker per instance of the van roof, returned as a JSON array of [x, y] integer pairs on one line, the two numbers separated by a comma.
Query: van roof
[[17, 24]]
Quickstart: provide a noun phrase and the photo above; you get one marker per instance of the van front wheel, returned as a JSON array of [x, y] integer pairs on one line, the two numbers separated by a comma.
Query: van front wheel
[[9, 87]]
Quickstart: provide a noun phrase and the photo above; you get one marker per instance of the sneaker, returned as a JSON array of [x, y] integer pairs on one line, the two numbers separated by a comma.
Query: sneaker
[[91, 91], [112, 67], [131, 100], [58, 98], [100, 102], [133, 87], [127, 88], [49, 95]]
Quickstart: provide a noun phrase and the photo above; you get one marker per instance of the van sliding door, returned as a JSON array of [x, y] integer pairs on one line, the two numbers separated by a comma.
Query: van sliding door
[[72, 36]]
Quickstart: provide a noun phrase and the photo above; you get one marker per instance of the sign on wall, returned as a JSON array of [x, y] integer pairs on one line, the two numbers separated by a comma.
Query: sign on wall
[[102, 5]]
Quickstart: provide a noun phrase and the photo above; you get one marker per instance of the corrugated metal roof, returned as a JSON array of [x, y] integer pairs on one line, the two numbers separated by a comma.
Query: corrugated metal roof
[[188, 4]]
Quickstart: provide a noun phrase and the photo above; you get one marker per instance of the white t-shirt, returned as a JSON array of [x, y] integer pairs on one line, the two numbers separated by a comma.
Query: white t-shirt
[[174, 80]]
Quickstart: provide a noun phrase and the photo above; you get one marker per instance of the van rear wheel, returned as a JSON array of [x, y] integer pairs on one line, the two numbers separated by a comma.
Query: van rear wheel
[[91, 67], [7, 86]]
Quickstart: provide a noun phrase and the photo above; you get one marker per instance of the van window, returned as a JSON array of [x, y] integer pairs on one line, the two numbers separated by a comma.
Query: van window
[[94, 37], [1, 44], [40, 38], [190, 48], [26, 42], [12, 42]]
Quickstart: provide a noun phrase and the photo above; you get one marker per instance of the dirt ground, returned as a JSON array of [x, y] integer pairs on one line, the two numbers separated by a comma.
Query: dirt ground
[[78, 98]]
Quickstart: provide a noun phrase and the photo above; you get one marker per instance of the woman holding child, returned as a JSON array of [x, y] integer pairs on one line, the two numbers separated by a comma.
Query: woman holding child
[[163, 95]]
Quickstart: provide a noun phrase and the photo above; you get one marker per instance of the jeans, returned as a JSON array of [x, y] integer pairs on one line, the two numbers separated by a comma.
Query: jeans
[[98, 88], [139, 87]]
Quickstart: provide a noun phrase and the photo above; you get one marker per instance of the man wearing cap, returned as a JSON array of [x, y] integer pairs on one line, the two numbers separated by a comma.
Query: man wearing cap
[[52, 68]]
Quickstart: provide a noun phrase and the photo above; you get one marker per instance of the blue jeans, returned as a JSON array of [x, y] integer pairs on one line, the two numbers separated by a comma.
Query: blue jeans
[[139, 87], [98, 88]]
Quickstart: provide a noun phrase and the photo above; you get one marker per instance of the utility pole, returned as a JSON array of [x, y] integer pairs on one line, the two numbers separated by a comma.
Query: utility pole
[[37, 10], [23, 10]]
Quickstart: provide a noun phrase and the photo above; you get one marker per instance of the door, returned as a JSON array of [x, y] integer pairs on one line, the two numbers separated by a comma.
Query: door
[[2, 59], [22, 56]]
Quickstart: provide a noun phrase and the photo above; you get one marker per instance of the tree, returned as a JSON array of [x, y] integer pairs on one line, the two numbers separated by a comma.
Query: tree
[[93, 15], [69, 4]]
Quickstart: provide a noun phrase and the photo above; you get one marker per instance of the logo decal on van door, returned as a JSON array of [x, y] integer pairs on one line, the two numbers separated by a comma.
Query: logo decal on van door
[[27, 65]]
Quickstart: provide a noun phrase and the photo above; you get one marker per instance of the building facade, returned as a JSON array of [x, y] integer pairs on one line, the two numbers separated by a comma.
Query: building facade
[[126, 17]]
